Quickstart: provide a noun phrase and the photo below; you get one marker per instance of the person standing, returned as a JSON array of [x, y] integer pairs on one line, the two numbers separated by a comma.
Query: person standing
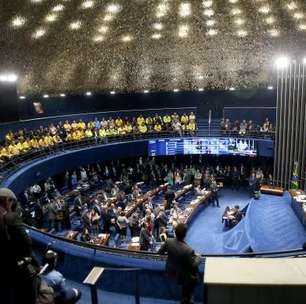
[[18, 267], [182, 263]]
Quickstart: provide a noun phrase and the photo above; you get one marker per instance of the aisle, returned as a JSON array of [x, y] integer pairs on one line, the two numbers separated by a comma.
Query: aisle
[[205, 235]]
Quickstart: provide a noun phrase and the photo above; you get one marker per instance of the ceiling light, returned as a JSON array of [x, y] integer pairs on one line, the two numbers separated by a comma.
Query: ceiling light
[[232, 89], [158, 26], [87, 4], [45, 96], [36, 1], [39, 33], [208, 12], [210, 22], [282, 62], [112, 92], [18, 21], [212, 32], [183, 30], [22, 97], [233, 1], [8, 77], [200, 89], [58, 8], [126, 38], [51, 18], [239, 21], [176, 90], [298, 15], [270, 88], [108, 17], [242, 33], [62, 95], [156, 36], [274, 32], [270, 20], [103, 29], [200, 77], [207, 3], [113, 8], [162, 10], [304, 60], [146, 91], [264, 9], [185, 9], [75, 25], [235, 11], [302, 26], [292, 5], [88, 93], [98, 38]]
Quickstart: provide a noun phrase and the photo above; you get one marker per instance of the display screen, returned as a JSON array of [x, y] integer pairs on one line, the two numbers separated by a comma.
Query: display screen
[[203, 145]]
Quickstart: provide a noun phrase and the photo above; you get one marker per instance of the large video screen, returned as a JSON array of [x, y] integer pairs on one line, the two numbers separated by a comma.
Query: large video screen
[[203, 145]]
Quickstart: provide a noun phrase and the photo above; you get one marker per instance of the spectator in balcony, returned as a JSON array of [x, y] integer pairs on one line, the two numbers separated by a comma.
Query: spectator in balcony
[[62, 293], [243, 127], [177, 127]]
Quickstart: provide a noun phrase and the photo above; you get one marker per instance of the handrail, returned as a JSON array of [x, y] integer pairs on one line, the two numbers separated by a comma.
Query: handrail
[[145, 254], [95, 274]]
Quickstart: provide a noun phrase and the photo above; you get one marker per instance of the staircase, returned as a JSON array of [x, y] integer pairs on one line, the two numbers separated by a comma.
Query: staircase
[[203, 127]]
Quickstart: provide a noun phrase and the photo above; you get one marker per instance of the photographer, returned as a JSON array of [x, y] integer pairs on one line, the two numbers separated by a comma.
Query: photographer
[[18, 266]]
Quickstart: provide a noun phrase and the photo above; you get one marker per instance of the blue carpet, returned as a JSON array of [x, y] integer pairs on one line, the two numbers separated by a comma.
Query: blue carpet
[[113, 298], [205, 234], [272, 225]]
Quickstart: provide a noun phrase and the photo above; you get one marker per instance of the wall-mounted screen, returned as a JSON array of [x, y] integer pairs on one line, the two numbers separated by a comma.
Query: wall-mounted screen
[[202, 145]]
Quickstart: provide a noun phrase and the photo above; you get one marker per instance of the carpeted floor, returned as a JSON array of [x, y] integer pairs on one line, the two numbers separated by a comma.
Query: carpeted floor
[[270, 225]]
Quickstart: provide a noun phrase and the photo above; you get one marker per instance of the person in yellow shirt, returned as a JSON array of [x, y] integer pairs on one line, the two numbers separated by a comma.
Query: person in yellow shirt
[[118, 122], [69, 136], [140, 120], [81, 125], [4, 153], [149, 121], [90, 125], [56, 139], [34, 143], [67, 126], [167, 119], [128, 128], [9, 137], [157, 127], [26, 146], [88, 133], [143, 128], [184, 119], [191, 127], [74, 125], [102, 133]]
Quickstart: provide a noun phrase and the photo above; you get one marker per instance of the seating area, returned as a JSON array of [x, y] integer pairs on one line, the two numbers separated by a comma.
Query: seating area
[[49, 137]]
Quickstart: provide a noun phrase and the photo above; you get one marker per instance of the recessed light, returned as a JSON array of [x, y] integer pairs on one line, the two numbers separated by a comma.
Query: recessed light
[[22, 97], [156, 36], [232, 89], [8, 77], [282, 62], [270, 88], [175, 90], [112, 92], [18, 21], [200, 89], [63, 95], [45, 96], [146, 91], [88, 93], [113, 8], [75, 25]]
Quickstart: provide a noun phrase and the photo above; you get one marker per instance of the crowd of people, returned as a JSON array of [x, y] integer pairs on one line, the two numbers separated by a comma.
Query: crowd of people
[[107, 190], [232, 216], [23, 141], [245, 127]]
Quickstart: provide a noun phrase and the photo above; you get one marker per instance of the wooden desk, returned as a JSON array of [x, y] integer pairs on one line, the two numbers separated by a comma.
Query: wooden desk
[[266, 189], [101, 240]]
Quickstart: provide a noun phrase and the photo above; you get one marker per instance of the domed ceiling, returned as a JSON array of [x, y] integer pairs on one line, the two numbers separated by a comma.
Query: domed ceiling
[[72, 46]]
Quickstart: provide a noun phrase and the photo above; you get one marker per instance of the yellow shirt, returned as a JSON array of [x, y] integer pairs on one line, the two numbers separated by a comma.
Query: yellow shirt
[[119, 122], [157, 127], [149, 121], [167, 119], [143, 129], [140, 120], [82, 125], [184, 119], [67, 127], [88, 133], [102, 133]]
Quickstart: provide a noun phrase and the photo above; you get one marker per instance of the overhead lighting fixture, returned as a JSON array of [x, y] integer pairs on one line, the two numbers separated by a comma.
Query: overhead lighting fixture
[[126, 38], [233, 1], [242, 33], [62, 95], [58, 8], [210, 22], [183, 30], [18, 21], [208, 12], [51, 18], [8, 77], [200, 89], [270, 20], [298, 15], [22, 97], [304, 60], [36, 1], [112, 92], [113, 8], [185, 9], [264, 9], [108, 17], [239, 21], [270, 88], [235, 11], [274, 32], [282, 62], [45, 96], [156, 36], [87, 4], [103, 29], [146, 91], [158, 26], [207, 3], [40, 32], [175, 90], [302, 26], [212, 32], [88, 93], [232, 89], [292, 5], [98, 38], [200, 77], [162, 10], [76, 25]]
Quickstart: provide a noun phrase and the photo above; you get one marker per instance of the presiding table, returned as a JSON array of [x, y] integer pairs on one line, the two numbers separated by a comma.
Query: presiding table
[[268, 189], [298, 204]]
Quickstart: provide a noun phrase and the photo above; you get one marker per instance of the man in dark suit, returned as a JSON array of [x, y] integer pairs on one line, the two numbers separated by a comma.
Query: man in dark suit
[[18, 267], [144, 238], [182, 264], [169, 197]]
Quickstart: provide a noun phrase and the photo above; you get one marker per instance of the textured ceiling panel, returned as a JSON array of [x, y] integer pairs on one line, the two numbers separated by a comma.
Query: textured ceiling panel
[[72, 46]]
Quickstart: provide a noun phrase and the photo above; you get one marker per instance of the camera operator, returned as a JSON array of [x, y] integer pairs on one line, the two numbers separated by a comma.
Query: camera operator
[[18, 267]]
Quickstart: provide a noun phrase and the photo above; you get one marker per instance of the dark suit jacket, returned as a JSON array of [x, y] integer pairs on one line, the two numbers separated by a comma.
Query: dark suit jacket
[[144, 239], [181, 263]]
